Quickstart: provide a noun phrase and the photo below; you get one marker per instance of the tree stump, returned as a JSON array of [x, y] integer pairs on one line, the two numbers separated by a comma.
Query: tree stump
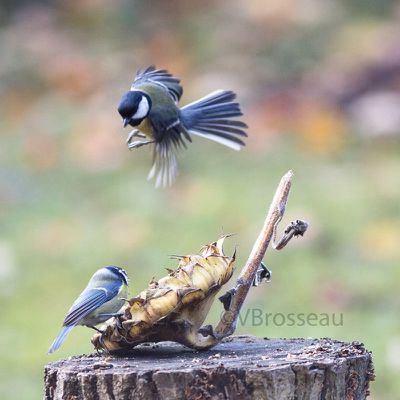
[[240, 367]]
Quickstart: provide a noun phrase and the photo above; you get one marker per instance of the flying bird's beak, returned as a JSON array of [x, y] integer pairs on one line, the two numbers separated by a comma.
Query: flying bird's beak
[[126, 122]]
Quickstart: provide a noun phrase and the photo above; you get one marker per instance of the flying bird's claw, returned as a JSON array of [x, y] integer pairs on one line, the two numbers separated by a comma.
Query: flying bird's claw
[[134, 133], [138, 143]]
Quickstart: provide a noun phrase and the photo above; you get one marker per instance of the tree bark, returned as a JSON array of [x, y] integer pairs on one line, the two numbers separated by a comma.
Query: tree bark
[[240, 367]]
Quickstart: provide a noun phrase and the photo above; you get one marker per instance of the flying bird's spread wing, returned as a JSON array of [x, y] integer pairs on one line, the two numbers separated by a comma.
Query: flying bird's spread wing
[[88, 301], [159, 77], [171, 137]]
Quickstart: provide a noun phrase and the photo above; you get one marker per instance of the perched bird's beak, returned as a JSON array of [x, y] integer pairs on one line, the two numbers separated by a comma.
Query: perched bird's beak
[[126, 122]]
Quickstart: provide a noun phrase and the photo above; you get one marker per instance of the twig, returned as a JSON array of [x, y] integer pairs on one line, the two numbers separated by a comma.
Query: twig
[[238, 294]]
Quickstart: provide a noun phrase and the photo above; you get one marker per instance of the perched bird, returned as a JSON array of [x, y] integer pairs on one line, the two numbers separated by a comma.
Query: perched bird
[[151, 107], [102, 298]]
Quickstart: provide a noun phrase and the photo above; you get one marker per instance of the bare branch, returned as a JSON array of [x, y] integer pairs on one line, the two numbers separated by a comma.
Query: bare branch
[[234, 299]]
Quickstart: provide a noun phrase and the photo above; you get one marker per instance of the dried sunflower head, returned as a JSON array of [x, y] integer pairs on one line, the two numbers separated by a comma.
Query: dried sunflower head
[[175, 306]]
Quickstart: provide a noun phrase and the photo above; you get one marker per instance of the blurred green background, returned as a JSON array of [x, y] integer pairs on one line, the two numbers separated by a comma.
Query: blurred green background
[[319, 83]]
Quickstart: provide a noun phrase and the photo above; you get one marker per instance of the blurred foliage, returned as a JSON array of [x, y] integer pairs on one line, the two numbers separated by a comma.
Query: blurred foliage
[[320, 86]]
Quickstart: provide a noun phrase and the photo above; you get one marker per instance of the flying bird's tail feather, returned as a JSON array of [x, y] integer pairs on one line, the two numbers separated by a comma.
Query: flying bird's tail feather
[[60, 339], [165, 165], [211, 117]]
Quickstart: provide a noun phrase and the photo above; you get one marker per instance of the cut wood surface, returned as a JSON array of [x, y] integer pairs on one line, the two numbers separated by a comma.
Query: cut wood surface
[[240, 367]]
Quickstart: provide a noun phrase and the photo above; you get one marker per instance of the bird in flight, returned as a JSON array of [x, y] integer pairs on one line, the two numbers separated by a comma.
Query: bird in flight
[[151, 107]]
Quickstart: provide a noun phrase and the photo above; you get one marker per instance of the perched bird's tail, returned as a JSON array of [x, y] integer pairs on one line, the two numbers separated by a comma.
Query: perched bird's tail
[[60, 338], [211, 117]]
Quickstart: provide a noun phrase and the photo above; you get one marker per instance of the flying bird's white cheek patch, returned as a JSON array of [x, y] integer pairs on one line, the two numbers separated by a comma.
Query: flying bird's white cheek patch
[[142, 110]]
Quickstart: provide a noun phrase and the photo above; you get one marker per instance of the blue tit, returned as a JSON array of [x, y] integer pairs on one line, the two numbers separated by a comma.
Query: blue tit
[[151, 108], [102, 298]]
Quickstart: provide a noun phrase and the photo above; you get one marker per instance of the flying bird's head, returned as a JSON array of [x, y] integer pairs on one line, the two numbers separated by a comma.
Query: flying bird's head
[[134, 107]]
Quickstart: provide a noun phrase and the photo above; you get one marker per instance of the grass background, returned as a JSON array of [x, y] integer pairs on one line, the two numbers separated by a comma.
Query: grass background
[[73, 198]]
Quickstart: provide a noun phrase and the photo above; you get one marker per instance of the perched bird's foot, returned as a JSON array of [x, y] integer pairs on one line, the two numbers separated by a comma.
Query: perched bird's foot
[[96, 329], [134, 133], [118, 322], [138, 143]]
